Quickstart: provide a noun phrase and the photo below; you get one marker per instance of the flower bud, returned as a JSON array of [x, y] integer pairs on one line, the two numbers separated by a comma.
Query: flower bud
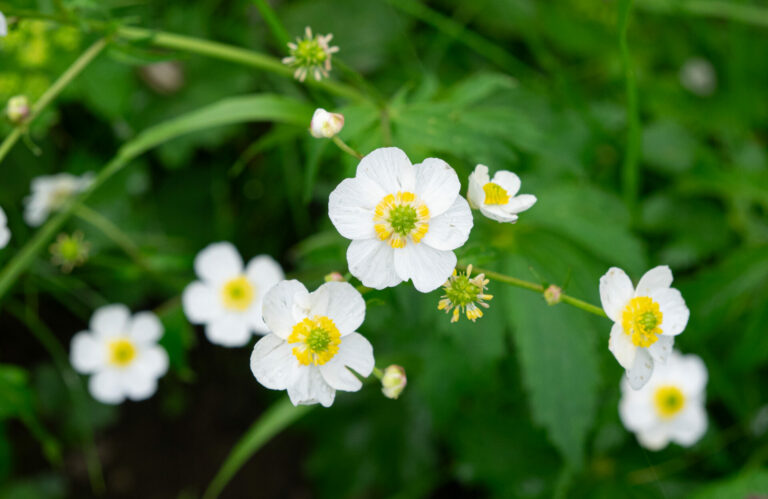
[[325, 124], [17, 109], [334, 277], [552, 294], [393, 381]]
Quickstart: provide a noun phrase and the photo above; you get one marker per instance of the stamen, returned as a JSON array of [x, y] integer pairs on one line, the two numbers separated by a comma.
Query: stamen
[[495, 194]]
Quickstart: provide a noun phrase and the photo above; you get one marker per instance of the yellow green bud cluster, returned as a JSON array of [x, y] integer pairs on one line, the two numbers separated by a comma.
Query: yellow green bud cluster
[[465, 294], [69, 252], [311, 55], [393, 381], [553, 294]]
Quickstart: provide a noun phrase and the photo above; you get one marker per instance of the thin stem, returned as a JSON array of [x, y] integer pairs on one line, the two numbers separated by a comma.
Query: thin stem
[[344, 147], [756, 15], [532, 286], [378, 373], [631, 165], [53, 91], [273, 22], [112, 232]]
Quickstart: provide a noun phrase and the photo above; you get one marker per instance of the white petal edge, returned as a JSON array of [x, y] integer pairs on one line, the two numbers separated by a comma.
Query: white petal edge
[[228, 330], [389, 168], [273, 363], [87, 353], [427, 267], [145, 328], [621, 346], [508, 180], [373, 262], [351, 206], [658, 278], [309, 387], [106, 387], [110, 320], [477, 179], [355, 352], [218, 263], [437, 184], [674, 311], [342, 303], [641, 371], [615, 291], [279, 304], [451, 229], [662, 348], [201, 303]]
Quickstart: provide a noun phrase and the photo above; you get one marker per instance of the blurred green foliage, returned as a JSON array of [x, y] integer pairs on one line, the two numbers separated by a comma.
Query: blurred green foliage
[[521, 404]]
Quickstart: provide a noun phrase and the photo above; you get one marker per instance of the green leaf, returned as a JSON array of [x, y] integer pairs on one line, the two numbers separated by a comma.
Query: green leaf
[[751, 483]]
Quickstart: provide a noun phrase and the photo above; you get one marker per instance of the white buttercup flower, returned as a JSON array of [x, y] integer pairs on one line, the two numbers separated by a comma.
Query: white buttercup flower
[[50, 193], [228, 296], [670, 407], [325, 124], [3, 25], [313, 344], [497, 199], [121, 353], [404, 220], [698, 76], [5, 232], [646, 319]]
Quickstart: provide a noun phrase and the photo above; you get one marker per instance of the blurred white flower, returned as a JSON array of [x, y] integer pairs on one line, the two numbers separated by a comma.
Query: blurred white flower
[[228, 296], [311, 55], [313, 342], [325, 124], [17, 109], [164, 77], [670, 407], [404, 220], [697, 75], [50, 193], [121, 354], [5, 232], [496, 198], [3, 25], [646, 319], [393, 381]]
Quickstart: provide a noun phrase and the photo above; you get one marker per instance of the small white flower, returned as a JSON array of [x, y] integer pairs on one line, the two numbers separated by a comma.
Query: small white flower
[[393, 381], [121, 353], [325, 124], [228, 296], [3, 25], [313, 342], [404, 220], [5, 232], [698, 76], [646, 319], [50, 193], [17, 109], [496, 198], [670, 407]]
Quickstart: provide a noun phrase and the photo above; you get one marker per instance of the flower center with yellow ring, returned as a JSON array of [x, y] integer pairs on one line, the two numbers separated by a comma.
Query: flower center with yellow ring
[[641, 319], [495, 194], [669, 400], [121, 352], [318, 340], [400, 216], [237, 294]]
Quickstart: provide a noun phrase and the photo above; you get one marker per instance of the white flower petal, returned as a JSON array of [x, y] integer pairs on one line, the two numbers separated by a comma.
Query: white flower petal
[[309, 387], [477, 179], [389, 168], [201, 303], [689, 426], [355, 352], [255, 319], [279, 305], [662, 348], [339, 377], [110, 320], [5, 236], [106, 387], [145, 328], [152, 361], [138, 386], [641, 370], [621, 346], [654, 438], [86, 353], [427, 267], [273, 363], [673, 310], [520, 203], [3, 25], [636, 410], [615, 291], [498, 213], [437, 185], [451, 229], [351, 205], [229, 330], [218, 263], [342, 303], [373, 262], [658, 278], [264, 272], [508, 180], [690, 373]]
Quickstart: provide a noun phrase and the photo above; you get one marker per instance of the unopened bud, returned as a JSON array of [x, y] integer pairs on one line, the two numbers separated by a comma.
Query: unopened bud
[[393, 381], [325, 124], [552, 294], [17, 109], [334, 277]]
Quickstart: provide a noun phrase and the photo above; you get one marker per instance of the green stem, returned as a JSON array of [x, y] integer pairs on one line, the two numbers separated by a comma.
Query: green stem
[[276, 418], [112, 232], [53, 91], [756, 15], [631, 165], [344, 147], [273, 22], [532, 286], [378, 373]]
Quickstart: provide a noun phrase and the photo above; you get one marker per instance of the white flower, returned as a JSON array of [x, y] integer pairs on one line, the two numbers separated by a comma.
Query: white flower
[[670, 407], [121, 353], [228, 296], [404, 220], [5, 232], [646, 319], [3, 25], [313, 344], [325, 124], [17, 109], [496, 198], [698, 76], [50, 193]]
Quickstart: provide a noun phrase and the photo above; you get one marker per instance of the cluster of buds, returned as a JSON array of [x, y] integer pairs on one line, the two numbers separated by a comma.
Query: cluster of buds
[[311, 55], [325, 124], [553, 294], [393, 381], [17, 109], [465, 294], [69, 252]]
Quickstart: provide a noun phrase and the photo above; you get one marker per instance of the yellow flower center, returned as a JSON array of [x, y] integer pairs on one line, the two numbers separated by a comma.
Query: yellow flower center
[[669, 401], [121, 352], [641, 319], [318, 340], [237, 294], [495, 194], [400, 216]]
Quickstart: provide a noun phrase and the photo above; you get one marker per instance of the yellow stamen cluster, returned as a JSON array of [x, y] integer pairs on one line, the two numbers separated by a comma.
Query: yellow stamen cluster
[[641, 319], [669, 400], [237, 294], [400, 216], [495, 194], [465, 294], [318, 340], [121, 352]]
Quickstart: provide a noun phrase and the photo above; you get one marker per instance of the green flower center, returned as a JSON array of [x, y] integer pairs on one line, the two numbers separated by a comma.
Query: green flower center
[[69, 249], [648, 321], [462, 291], [310, 52], [403, 219], [318, 340]]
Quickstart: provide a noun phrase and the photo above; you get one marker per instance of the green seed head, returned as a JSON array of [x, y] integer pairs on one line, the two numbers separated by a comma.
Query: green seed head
[[403, 219]]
